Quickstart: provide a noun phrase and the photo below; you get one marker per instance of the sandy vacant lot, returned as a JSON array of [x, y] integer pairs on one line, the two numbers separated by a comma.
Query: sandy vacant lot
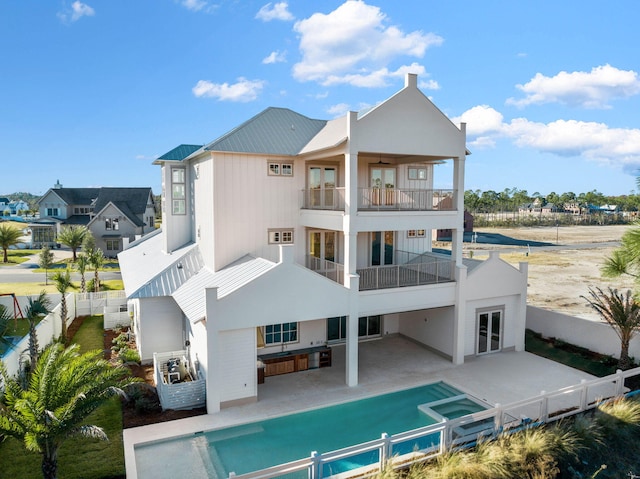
[[558, 277]]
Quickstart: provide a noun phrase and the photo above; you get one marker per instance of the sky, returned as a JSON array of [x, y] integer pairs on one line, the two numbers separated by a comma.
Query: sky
[[92, 91]]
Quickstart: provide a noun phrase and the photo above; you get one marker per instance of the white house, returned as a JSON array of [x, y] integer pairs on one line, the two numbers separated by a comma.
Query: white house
[[288, 235], [115, 216]]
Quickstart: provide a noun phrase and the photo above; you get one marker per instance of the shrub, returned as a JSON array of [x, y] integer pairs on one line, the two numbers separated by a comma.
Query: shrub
[[128, 355]]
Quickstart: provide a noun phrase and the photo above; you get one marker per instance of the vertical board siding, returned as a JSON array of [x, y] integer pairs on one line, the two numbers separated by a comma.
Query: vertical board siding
[[238, 364]]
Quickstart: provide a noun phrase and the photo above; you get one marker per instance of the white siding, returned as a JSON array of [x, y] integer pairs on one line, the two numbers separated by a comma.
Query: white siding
[[160, 327], [248, 202], [238, 364]]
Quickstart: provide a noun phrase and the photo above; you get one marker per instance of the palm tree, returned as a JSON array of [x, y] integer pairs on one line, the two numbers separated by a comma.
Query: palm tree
[[64, 389], [36, 308], [62, 280], [626, 258], [96, 259], [622, 313], [73, 237], [9, 237], [82, 262]]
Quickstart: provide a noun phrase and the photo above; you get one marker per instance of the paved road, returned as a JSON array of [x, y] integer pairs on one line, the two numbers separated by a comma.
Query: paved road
[[23, 273]]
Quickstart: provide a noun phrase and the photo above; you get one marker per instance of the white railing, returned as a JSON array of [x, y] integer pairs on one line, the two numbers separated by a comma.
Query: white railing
[[378, 199], [402, 450], [409, 274], [421, 270], [406, 199]]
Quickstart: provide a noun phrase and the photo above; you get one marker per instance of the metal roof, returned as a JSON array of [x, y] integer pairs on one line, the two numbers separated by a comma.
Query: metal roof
[[147, 271], [274, 131], [179, 153], [190, 296]]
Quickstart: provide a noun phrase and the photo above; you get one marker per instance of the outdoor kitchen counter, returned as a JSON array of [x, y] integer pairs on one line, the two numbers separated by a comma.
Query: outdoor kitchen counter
[[295, 360]]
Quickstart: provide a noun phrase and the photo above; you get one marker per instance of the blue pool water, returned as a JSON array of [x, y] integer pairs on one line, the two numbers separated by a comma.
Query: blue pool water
[[262, 444]]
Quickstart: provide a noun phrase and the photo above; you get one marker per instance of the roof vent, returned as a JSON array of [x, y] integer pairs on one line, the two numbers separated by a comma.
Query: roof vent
[[57, 186]]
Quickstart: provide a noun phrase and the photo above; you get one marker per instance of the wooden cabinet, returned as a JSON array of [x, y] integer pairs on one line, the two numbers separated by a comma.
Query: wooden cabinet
[[275, 364]]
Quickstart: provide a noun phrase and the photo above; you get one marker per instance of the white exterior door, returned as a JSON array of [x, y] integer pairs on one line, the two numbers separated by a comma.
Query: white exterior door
[[489, 331]]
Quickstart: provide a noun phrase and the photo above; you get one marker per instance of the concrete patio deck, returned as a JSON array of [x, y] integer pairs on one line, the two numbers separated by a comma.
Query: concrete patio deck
[[386, 365]]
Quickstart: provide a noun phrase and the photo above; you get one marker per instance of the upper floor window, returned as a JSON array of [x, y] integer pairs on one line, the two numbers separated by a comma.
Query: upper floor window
[[53, 212], [111, 224], [281, 236], [81, 210], [416, 233], [417, 173], [280, 169], [178, 191]]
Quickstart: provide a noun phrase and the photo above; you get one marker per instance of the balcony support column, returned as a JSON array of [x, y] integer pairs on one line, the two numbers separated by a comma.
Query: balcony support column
[[351, 353], [459, 312]]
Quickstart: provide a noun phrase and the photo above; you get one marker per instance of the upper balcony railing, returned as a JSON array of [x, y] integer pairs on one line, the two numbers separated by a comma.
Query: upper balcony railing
[[381, 199], [415, 270]]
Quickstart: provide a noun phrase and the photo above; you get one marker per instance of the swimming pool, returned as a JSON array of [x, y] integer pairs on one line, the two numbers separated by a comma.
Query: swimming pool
[[258, 445]]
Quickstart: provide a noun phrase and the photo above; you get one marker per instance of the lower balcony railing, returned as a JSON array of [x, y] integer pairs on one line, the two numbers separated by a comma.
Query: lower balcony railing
[[380, 199], [420, 270]]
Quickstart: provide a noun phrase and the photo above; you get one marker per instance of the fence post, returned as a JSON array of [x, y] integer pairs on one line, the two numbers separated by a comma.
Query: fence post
[[498, 420], [544, 406], [619, 383], [584, 397], [385, 450], [315, 472]]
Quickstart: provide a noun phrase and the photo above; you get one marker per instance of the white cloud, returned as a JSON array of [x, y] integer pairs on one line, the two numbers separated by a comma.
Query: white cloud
[[354, 45], [242, 91], [278, 11], [593, 89], [275, 57], [76, 12], [618, 147], [198, 5], [338, 110]]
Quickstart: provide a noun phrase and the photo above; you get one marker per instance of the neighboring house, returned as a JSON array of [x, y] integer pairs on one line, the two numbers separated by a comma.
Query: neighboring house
[[115, 216], [292, 235]]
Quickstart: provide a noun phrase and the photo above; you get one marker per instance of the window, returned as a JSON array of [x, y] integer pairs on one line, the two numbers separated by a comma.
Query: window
[[416, 233], [52, 212], [111, 224], [417, 173], [280, 169], [178, 191], [78, 210], [281, 333], [283, 236], [113, 245]]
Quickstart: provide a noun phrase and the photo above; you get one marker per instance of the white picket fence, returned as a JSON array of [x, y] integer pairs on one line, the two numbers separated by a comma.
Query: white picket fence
[[400, 451], [50, 327], [189, 394]]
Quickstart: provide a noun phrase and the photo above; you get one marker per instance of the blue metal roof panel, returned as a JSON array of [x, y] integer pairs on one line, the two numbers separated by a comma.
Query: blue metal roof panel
[[180, 152], [274, 131]]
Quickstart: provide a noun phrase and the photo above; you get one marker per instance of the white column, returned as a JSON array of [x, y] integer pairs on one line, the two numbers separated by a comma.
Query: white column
[[351, 353], [459, 313], [522, 313], [213, 375]]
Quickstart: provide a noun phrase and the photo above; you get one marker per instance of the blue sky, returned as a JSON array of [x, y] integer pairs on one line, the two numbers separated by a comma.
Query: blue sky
[[92, 91]]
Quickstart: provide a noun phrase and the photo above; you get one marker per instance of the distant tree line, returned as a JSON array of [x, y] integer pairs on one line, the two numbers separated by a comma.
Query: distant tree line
[[510, 207], [511, 199]]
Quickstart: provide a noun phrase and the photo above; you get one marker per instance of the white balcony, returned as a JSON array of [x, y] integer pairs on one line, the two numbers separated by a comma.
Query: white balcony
[[381, 199]]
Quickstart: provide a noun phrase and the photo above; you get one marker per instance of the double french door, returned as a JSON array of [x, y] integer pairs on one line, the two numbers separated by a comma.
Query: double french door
[[322, 186], [489, 332]]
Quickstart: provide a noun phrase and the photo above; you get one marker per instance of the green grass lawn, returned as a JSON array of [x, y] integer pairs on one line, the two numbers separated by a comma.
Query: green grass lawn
[[79, 458], [570, 355], [17, 256]]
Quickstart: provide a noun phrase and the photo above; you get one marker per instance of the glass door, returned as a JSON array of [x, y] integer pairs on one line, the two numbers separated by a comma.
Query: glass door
[[382, 246], [489, 331], [322, 186], [383, 183]]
